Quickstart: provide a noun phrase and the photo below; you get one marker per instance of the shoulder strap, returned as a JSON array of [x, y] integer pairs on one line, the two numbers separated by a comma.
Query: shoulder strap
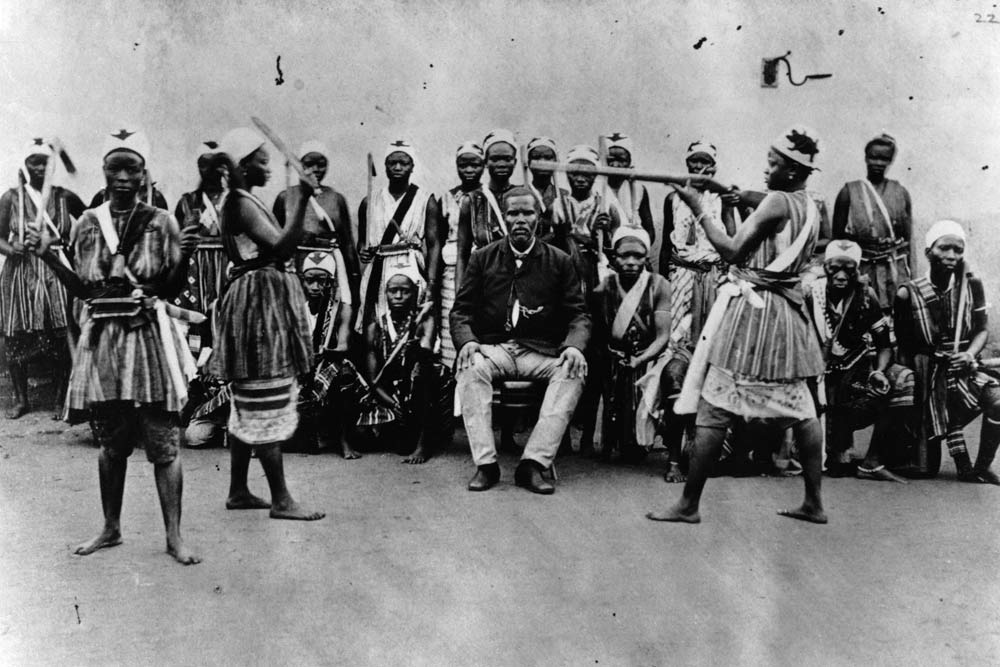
[[785, 260], [396, 222], [872, 194], [491, 198]]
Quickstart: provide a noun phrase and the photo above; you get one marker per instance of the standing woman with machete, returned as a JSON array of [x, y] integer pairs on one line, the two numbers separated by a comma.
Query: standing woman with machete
[[131, 365], [33, 304], [263, 342]]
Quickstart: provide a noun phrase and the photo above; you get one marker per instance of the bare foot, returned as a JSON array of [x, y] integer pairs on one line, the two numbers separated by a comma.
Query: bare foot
[[878, 474], [804, 513], [674, 475], [18, 411], [675, 514], [182, 554], [295, 512], [417, 457], [349, 454], [107, 538], [246, 501]]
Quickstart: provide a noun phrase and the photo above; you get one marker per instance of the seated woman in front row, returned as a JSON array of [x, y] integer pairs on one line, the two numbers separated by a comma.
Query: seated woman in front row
[[632, 320], [408, 396]]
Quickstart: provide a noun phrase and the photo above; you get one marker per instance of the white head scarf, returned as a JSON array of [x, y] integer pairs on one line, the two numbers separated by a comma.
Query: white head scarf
[[701, 146], [499, 136], [323, 261], [470, 148], [583, 152], [314, 147], [843, 249], [798, 143], [37, 146], [241, 143], [128, 141], [539, 142], [943, 228], [629, 232], [619, 140]]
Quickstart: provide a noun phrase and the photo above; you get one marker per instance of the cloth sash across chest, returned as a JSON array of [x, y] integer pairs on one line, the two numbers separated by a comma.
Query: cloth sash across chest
[[168, 317], [743, 283]]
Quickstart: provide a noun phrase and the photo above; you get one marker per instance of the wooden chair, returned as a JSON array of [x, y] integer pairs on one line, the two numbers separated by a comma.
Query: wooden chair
[[518, 397]]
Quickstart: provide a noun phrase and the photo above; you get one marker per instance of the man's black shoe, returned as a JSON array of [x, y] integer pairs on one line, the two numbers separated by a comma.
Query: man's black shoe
[[485, 478], [529, 475]]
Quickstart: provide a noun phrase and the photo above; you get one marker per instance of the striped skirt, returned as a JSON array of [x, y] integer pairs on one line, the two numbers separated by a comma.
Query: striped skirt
[[31, 297], [123, 359], [264, 411], [262, 328], [776, 342], [448, 289]]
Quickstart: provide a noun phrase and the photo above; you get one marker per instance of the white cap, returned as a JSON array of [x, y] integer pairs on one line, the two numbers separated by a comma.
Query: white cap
[[241, 142]]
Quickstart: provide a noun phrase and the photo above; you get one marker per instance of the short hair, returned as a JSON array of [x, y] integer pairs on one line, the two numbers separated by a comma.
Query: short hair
[[521, 191]]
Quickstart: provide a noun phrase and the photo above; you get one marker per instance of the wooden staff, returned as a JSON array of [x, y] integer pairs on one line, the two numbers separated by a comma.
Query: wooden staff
[[370, 176], [648, 177], [526, 173]]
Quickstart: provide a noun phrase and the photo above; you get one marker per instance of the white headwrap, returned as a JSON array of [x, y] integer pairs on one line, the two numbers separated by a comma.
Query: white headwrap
[[499, 136], [884, 137], [401, 146], [128, 141], [408, 270], [470, 148], [539, 142], [323, 261], [629, 232], [241, 143], [701, 146], [314, 147], [843, 249], [943, 228], [798, 143], [209, 147], [583, 152], [38, 146], [619, 140]]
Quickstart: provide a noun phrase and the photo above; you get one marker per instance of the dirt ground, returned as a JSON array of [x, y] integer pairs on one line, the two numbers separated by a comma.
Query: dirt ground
[[409, 568]]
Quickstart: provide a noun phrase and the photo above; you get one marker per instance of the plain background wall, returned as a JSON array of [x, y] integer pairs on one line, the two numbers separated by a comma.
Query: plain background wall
[[360, 74]]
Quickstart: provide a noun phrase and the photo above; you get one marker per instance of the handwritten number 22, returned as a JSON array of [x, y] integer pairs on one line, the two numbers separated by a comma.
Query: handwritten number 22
[[990, 18]]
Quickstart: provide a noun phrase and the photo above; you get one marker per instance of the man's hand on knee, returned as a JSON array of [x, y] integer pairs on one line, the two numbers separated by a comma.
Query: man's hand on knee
[[574, 362], [467, 356]]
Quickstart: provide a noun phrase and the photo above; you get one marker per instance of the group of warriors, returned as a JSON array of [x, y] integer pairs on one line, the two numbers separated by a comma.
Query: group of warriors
[[764, 325]]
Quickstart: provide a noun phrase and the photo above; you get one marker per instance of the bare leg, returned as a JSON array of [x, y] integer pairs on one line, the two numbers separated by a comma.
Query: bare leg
[[707, 447], [810, 441], [111, 471], [240, 497], [872, 467], [19, 381], [283, 505], [170, 486]]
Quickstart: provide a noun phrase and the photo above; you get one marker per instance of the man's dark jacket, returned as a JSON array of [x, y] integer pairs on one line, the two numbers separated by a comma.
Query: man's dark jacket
[[554, 315]]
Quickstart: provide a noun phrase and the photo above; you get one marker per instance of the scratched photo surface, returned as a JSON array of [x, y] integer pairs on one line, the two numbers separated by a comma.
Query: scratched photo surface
[[357, 75]]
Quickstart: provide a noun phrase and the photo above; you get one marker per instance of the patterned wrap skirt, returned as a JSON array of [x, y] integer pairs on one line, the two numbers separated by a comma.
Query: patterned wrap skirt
[[123, 359], [262, 328], [31, 297], [264, 411]]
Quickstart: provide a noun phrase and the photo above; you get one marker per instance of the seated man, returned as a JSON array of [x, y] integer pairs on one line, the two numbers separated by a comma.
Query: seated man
[[519, 313], [860, 389], [325, 414], [632, 325], [941, 327], [409, 397]]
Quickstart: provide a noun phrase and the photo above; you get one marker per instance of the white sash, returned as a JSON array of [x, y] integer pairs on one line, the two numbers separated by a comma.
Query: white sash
[[629, 305], [210, 212], [491, 198], [872, 193], [321, 213], [694, 380], [181, 366]]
